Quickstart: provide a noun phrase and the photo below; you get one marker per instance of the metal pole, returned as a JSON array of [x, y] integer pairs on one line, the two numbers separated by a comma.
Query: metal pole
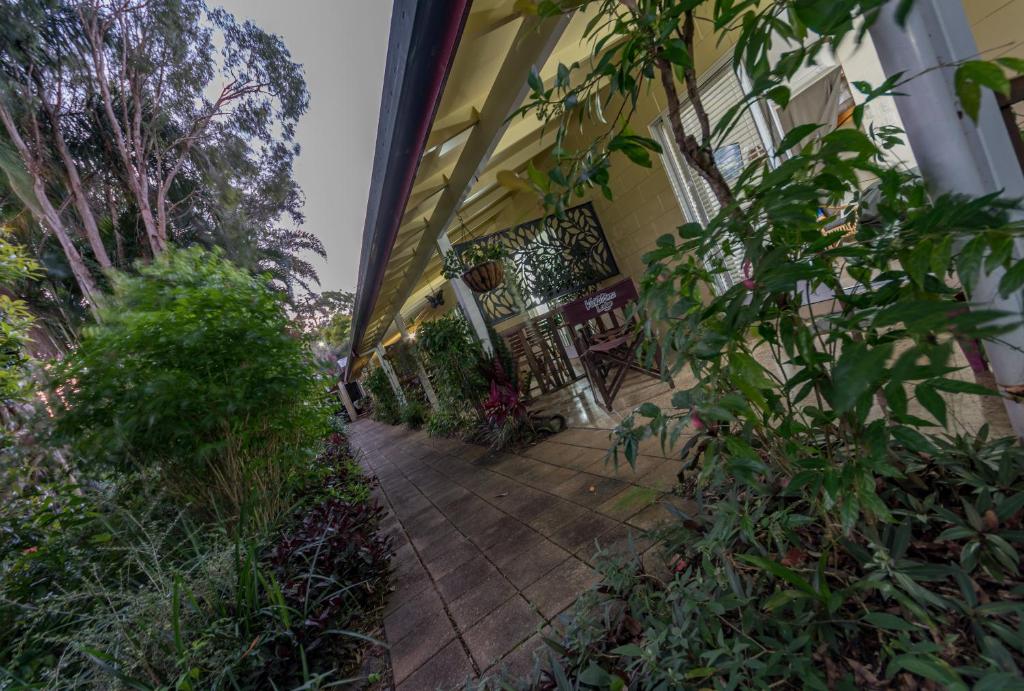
[[390, 372], [954, 153], [465, 298], [428, 388]]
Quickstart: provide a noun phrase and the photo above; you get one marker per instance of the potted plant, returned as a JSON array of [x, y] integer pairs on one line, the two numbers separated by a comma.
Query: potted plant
[[479, 266]]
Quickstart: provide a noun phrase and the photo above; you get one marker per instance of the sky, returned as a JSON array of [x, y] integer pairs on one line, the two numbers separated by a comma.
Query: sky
[[342, 45]]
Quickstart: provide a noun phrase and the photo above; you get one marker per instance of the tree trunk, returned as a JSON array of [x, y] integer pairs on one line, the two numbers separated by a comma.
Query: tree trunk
[[135, 170], [92, 231], [46, 213]]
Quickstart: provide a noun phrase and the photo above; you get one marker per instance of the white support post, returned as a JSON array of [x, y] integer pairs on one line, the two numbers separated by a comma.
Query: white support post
[[428, 388], [954, 153], [390, 372], [465, 298], [347, 401]]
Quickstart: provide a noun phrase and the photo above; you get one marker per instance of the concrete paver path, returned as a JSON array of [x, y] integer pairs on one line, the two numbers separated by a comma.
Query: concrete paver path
[[491, 548]]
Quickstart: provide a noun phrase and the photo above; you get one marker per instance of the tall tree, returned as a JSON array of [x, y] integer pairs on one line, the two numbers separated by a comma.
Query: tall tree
[[135, 124]]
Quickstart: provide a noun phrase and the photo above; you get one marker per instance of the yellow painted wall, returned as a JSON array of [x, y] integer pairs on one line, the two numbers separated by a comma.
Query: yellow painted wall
[[644, 205], [998, 27]]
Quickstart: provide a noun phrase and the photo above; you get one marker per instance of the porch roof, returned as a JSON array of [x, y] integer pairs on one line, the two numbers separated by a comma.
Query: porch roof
[[470, 140]]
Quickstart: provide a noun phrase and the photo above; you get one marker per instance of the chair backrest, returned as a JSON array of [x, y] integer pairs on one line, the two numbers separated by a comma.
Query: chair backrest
[[591, 308]]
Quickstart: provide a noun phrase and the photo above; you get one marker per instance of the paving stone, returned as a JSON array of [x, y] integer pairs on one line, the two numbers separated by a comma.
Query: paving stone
[[439, 538], [556, 515], [560, 588], [411, 581], [520, 663], [658, 513], [504, 529], [663, 476], [437, 549], [441, 564], [501, 631], [589, 490], [464, 578], [414, 614], [479, 521], [628, 502], [528, 565], [416, 648], [486, 549], [546, 476], [480, 601], [530, 504], [582, 531], [449, 668]]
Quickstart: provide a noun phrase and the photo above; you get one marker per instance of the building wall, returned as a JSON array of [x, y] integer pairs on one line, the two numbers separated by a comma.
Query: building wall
[[997, 26], [644, 205]]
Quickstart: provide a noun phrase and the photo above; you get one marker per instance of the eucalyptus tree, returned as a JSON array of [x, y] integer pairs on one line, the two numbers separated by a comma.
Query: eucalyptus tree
[[132, 125]]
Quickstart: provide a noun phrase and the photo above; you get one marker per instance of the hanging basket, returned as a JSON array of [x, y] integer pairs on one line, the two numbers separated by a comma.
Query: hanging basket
[[484, 277]]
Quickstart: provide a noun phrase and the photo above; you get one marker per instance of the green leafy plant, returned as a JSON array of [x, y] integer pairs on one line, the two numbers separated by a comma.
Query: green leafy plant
[[193, 368], [450, 354], [110, 585], [448, 423], [386, 407], [458, 262], [840, 539], [414, 413]]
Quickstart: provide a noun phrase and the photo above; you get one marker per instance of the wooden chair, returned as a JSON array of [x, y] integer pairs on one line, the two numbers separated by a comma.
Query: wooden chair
[[607, 339], [540, 357]]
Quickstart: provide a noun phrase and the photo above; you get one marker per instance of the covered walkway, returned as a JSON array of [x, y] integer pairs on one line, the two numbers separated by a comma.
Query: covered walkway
[[491, 549]]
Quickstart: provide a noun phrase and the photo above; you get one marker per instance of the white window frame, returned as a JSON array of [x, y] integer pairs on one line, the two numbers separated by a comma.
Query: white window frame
[[680, 176], [769, 129]]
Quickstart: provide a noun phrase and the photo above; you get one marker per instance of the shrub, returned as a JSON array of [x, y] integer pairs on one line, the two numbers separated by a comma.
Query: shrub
[[386, 408], [110, 585], [193, 368], [447, 423], [332, 568], [414, 413], [451, 355], [841, 540]]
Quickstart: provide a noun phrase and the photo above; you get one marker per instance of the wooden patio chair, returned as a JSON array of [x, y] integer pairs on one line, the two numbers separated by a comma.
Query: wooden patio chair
[[607, 339], [540, 357]]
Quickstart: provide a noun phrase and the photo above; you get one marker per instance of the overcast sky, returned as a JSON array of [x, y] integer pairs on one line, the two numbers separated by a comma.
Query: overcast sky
[[342, 45]]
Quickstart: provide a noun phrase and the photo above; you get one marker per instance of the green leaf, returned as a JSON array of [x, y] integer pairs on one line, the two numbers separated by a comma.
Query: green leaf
[[649, 410], [795, 136], [961, 386], [884, 620], [675, 52], [1015, 64], [930, 668], [932, 401], [855, 374], [534, 80], [628, 650], [971, 76], [699, 673], [1012, 280], [777, 569], [594, 676], [987, 74]]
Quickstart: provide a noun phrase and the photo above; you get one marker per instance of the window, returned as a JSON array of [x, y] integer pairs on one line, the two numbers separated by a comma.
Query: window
[[749, 140], [820, 94]]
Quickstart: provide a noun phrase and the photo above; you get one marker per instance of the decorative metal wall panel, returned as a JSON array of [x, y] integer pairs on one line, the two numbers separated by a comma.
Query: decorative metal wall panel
[[547, 258]]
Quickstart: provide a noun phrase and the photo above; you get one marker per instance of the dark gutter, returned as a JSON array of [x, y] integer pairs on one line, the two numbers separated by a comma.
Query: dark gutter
[[422, 44]]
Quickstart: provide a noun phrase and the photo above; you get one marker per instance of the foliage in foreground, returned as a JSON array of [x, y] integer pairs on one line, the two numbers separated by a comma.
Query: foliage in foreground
[[757, 596], [842, 541], [386, 407], [194, 368], [114, 586]]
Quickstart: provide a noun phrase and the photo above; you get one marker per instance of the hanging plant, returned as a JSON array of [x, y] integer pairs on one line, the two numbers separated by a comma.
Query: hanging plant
[[479, 265]]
